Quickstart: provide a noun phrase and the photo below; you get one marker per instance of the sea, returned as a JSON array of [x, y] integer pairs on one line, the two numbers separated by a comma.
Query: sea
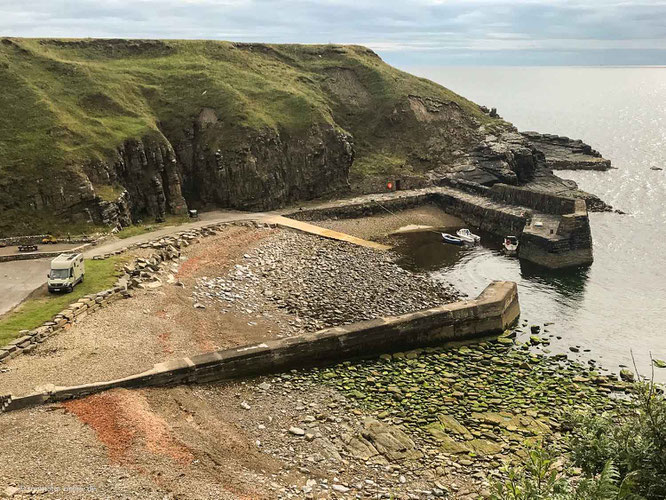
[[613, 312]]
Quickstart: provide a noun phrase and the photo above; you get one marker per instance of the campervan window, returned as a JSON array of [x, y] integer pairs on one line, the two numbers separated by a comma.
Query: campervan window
[[59, 274]]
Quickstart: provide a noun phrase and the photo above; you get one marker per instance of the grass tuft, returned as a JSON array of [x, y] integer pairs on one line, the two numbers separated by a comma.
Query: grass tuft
[[137, 229]]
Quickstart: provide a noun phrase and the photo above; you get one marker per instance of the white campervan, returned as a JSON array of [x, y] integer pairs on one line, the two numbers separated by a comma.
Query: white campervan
[[67, 271]]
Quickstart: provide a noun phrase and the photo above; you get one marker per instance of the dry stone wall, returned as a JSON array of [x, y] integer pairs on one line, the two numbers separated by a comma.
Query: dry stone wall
[[138, 274], [29, 256]]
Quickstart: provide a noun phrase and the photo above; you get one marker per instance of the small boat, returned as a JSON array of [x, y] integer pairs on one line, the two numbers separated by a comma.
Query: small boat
[[451, 240], [468, 236], [510, 245]]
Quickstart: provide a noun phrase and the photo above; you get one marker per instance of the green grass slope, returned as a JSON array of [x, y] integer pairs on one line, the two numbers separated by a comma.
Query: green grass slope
[[66, 103]]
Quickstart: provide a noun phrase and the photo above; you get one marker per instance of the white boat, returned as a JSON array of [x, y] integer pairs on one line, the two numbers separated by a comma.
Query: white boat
[[510, 245], [452, 240], [468, 236]]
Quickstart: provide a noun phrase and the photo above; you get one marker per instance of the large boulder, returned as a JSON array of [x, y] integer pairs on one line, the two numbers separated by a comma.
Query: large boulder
[[380, 442]]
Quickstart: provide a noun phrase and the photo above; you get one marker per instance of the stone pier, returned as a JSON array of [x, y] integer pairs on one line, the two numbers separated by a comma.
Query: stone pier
[[554, 231]]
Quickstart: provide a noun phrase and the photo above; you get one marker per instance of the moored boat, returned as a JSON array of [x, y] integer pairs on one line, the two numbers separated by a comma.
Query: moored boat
[[510, 245], [451, 240], [468, 236]]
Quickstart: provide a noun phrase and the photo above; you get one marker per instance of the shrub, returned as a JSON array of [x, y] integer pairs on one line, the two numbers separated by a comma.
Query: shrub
[[622, 455], [635, 441], [539, 479]]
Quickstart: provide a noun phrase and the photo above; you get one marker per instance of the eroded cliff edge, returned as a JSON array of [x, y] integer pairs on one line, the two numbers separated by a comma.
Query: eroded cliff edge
[[111, 131]]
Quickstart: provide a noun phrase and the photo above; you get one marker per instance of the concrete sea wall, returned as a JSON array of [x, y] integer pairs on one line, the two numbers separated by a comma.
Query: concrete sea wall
[[491, 312]]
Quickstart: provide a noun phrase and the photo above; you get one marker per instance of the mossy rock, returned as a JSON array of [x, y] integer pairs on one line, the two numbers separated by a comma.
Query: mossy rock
[[484, 447]]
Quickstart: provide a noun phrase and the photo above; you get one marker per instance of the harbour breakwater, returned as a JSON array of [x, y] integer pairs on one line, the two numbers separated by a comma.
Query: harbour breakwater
[[554, 230], [494, 310]]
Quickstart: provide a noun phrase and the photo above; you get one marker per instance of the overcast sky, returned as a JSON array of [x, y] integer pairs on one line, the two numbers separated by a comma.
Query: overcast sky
[[404, 32]]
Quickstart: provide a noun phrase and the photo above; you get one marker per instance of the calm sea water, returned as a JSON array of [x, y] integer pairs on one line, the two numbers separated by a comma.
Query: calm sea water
[[617, 305]]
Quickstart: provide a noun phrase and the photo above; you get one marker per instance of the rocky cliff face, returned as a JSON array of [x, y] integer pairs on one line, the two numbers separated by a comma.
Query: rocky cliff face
[[147, 172], [264, 169]]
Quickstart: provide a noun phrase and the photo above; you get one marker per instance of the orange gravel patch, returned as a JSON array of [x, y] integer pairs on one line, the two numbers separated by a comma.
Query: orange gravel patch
[[211, 253], [164, 339], [124, 422]]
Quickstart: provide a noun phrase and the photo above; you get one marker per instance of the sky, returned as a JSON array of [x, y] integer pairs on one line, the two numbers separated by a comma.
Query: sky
[[403, 32]]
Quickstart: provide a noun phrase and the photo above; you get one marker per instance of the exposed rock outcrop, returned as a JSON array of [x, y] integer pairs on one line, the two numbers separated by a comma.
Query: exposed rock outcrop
[[562, 153], [506, 158], [511, 158], [381, 443]]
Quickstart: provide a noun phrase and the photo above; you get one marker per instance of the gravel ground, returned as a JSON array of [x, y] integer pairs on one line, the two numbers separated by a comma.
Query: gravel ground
[[130, 335], [277, 437], [321, 282]]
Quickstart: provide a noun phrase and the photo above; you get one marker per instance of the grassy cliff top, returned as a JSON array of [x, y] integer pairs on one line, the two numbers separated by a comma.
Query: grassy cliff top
[[65, 102]]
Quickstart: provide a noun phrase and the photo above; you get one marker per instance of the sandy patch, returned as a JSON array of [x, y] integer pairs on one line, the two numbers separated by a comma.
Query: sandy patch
[[379, 226]]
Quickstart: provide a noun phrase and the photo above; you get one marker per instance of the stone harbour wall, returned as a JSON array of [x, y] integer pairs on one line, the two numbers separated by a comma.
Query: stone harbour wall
[[485, 216], [563, 238], [543, 202], [475, 210], [495, 309], [366, 208], [569, 246]]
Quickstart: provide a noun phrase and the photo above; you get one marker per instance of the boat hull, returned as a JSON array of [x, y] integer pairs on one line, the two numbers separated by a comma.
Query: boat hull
[[452, 240], [468, 237]]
